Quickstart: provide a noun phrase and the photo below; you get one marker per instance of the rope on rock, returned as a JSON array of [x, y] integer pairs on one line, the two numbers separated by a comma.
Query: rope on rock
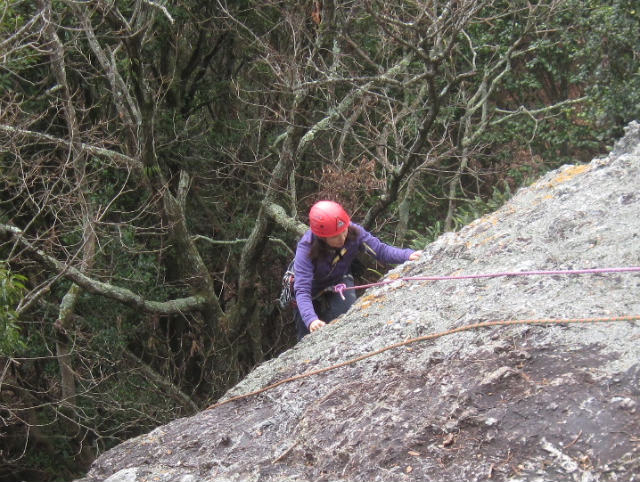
[[340, 288], [432, 336]]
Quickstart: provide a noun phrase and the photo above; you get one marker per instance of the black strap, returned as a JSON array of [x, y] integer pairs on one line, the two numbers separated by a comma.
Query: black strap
[[338, 256]]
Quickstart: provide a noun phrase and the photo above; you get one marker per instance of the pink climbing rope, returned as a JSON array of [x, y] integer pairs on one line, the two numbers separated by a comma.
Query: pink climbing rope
[[340, 288]]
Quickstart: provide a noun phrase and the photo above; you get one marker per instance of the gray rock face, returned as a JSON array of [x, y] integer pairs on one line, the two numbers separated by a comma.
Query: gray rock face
[[511, 403]]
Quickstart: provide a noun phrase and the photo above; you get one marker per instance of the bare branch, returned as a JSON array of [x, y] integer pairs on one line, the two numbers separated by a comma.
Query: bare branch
[[279, 215], [162, 8], [347, 103], [90, 149], [122, 295], [165, 384]]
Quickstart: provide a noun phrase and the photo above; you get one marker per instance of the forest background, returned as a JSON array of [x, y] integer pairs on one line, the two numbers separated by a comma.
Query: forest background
[[158, 159]]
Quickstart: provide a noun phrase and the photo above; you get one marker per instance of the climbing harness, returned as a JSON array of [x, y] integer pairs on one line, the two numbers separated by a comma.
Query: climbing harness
[[287, 294], [432, 336], [340, 288]]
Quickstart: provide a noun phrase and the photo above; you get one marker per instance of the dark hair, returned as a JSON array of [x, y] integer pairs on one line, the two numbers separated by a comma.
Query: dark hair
[[320, 249]]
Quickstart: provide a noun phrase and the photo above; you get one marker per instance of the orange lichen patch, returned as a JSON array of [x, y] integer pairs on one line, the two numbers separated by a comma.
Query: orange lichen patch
[[368, 300], [569, 173], [394, 276], [487, 218], [538, 200], [371, 297], [505, 211], [150, 438], [484, 241]]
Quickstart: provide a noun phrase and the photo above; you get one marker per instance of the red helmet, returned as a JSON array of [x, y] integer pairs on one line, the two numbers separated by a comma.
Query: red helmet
[[327, 219]]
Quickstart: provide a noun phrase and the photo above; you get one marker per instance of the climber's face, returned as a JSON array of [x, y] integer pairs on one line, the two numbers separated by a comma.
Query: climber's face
[[337, 241]]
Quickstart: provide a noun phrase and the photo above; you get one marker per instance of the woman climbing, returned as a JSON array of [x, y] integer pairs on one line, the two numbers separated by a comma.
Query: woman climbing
[[323, 259]]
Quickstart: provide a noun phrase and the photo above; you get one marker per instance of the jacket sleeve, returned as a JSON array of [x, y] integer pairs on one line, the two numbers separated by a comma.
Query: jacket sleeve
[[303, 282], [384, 252]]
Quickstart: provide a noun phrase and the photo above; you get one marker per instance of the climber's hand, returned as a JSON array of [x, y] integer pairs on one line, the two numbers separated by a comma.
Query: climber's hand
[[415, 255], [316, 325]]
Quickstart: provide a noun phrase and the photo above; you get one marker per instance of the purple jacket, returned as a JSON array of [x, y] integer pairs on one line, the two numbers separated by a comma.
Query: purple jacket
[[311, 279]]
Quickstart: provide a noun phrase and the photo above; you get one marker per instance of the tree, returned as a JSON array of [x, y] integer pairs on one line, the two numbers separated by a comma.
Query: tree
[[87, 176]]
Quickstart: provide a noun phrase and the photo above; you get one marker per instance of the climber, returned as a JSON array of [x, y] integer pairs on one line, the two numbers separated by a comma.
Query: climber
[[323, 259]]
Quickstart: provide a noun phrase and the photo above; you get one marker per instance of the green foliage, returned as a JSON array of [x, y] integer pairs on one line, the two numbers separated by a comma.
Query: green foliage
[[590, 52], [18, 58], [609, 56], [477, 207], [465, 213], [418, 240], [11, 290]]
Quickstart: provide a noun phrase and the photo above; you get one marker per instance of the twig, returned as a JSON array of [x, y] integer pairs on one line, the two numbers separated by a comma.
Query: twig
[[161, 7], [574, 440], [284, 454]]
